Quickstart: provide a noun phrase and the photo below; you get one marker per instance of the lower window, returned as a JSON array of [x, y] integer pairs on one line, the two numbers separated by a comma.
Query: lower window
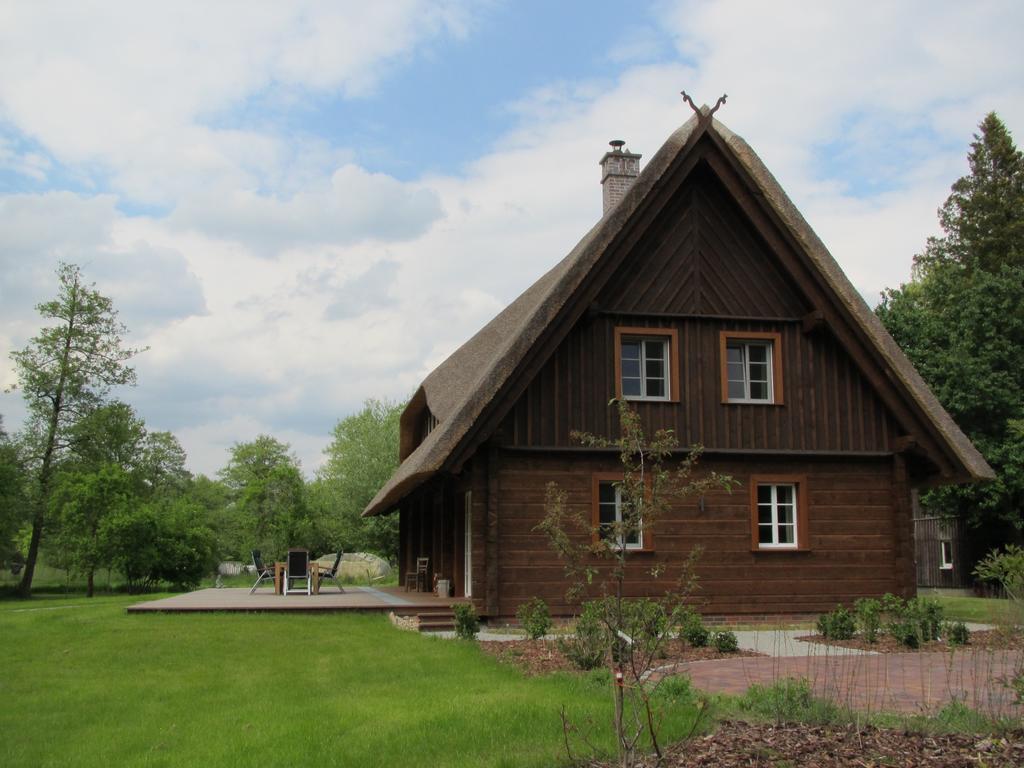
[[609, 517], [946, 555], [778, 513]]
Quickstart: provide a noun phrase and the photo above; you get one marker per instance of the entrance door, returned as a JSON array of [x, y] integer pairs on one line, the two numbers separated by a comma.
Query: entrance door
[[467, 547]]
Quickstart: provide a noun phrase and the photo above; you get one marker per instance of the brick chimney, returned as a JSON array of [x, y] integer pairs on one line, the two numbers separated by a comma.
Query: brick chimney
[[619, 168]]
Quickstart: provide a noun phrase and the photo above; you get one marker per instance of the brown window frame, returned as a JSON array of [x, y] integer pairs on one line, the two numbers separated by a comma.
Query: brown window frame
[[671, 368], [775, 342], [646, 533], [803, 538]]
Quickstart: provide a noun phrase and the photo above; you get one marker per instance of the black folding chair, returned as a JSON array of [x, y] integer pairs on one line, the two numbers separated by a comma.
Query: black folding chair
[[263, 572], [298, 570], [333, 573]]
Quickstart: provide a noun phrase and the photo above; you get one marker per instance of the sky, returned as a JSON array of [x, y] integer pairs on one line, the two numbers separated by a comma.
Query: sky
[[298, 206]]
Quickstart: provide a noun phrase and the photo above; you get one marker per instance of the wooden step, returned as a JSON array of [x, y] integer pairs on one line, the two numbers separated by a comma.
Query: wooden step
[[436, 621]]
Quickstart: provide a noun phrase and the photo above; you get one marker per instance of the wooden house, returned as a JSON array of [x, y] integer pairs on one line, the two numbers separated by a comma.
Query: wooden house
[[704, 297]]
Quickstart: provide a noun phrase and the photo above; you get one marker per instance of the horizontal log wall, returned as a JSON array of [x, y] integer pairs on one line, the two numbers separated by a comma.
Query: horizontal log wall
[[852, 534]]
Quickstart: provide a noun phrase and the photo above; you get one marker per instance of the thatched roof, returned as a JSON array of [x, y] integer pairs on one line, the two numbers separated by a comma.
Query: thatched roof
[[459, 390]]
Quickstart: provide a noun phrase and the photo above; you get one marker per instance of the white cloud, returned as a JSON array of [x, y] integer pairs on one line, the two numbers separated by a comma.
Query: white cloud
[[373, 281], [140, 90]]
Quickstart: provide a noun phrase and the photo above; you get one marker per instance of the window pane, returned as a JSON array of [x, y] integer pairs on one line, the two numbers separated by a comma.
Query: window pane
[[736, 390], [631, 368], [764, 534], [786, 534], [633, 537], [785, 514], [607, 493], [736, 372], [784, 494], [655, 350], [655, 388], [655, 369], [758, 372], [734, 355], [758, 390], [764, 514], [631, 350], [631, 387], [758, 353], [764, 494]]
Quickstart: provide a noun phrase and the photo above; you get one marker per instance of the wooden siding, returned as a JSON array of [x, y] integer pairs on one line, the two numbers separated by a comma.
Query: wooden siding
[[928, 533], [702, 257], [829, 405], [852, 537], [431, 524]]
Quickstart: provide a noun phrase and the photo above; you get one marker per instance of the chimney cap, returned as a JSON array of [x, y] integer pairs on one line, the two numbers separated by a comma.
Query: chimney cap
[[617, 145]]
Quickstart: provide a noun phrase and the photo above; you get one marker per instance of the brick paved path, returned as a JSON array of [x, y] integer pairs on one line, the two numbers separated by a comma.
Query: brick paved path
[[905, 682]]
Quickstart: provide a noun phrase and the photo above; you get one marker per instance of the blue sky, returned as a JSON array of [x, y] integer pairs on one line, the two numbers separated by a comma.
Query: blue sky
[[299, 206]]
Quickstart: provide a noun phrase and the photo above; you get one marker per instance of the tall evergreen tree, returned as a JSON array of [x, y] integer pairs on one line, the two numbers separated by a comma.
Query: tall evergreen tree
[[65, 372], [961, 321]]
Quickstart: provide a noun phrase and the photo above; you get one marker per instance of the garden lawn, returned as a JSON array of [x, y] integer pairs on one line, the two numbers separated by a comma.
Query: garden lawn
[[985, 610], [82, 683]]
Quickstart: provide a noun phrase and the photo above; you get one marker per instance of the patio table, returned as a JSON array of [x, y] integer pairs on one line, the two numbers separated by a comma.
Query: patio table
[[280, 567]]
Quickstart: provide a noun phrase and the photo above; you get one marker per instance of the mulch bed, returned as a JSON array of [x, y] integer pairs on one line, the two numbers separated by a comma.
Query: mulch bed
[[982, 640], [752, 745], [539, 657]]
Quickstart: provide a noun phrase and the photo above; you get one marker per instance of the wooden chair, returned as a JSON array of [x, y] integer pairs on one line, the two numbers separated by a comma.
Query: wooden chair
[[419, 573], [298, 570]]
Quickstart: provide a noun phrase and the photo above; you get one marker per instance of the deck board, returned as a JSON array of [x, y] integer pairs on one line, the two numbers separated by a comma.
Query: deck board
[[238, 599]]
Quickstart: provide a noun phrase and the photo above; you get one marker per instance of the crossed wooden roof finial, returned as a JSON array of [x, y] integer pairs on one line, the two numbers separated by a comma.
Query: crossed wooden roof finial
[[711, 112]]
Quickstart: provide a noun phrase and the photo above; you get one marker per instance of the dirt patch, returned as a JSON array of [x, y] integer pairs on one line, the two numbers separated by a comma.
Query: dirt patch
[[982, 640], [753, 745], [540, 657]]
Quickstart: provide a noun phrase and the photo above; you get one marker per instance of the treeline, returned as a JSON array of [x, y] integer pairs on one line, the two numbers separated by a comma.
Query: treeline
[[121, 498], [88, 484]]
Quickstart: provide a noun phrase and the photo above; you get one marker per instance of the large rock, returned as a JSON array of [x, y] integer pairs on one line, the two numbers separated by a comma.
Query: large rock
[[358, 566]]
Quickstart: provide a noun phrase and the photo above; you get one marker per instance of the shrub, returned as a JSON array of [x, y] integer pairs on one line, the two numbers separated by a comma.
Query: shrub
[[587, 646], [956, 633], [646, 623], [692, 628], [905, 632], [467, 623], [787, 700], [928, 615], [837, 625], [535, 618], [725, 641], [901, 620], [869, 618]]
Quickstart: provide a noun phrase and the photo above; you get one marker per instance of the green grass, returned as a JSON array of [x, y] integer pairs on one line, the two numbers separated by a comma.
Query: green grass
[[984, 610], [82, 684]]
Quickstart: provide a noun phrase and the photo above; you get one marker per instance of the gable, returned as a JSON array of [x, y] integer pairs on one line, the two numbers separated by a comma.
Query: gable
[[472, 392], [702, 256]]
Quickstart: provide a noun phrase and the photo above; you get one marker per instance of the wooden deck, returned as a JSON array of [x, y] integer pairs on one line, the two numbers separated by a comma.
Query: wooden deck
[[365, 599]]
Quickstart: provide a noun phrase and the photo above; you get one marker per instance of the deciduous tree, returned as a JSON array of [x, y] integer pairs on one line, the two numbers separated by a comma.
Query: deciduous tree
[[360, 458], [65, 372]]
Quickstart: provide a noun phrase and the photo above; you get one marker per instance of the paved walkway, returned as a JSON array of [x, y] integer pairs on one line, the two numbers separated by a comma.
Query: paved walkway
[[862, 680], [904, 682]]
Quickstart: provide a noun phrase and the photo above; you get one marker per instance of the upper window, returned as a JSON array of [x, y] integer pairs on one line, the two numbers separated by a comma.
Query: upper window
[[751, 372], [778, 512], [644, 361], [608, 514]]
